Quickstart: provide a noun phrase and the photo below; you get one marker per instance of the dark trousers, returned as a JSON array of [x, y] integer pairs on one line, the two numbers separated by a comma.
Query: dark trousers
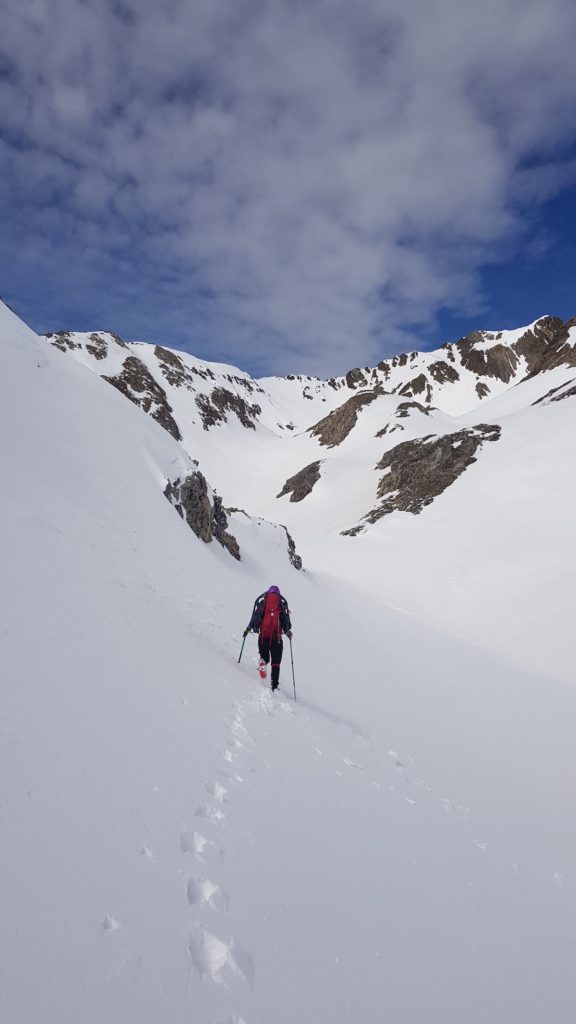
[[271, 649]]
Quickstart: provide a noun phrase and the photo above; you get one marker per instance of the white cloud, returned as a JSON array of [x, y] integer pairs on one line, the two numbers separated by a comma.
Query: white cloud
[[330, 174]]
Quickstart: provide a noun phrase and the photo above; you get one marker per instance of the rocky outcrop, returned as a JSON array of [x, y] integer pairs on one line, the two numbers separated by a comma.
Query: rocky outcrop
[[206, 518], [220, 528], [335, 427], [137, 383], [387, 365], [214, 407], [499, 361], [293, 555], [442, 372], [416, 472], [419, 385], [355, 378], [560, 350], [536, 342], [403, 411], [390, 428], [173, 369], [404, 408], [301, 484], [63, 340], [97, 346], [543, 346]]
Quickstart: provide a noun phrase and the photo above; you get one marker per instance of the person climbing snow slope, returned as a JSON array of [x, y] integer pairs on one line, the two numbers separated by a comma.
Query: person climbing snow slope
[[270, 619]]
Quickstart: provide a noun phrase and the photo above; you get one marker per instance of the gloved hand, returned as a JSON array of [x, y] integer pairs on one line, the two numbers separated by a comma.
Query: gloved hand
[[246, 631], [289, 634]]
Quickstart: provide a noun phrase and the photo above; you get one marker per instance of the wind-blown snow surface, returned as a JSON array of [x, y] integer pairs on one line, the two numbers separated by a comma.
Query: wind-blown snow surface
[[180, 845]]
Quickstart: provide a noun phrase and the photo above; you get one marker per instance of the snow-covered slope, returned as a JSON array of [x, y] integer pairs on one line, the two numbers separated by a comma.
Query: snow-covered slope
[[455, 378], [347, 463], [181, 845]]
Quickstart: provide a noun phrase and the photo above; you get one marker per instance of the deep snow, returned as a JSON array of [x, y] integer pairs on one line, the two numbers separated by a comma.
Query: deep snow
[[180, 845]]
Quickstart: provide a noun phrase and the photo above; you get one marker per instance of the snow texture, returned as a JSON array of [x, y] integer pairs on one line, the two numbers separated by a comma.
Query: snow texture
[[182, 845]]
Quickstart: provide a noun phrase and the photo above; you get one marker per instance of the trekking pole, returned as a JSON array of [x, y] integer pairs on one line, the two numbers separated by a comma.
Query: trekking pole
[[242, 648], [292, 660]]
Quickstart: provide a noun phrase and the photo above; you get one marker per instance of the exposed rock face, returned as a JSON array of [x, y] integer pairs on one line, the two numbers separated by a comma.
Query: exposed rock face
[[294, 557], [443, 372], [482, 389], [301, 484], [137, 383], [543, 346], [178, 375], [97, 346], [419, 385], [418, 471], [403, 412], [390, 428], [63, 340], [213, 408], [535, 343], [207, 519], [498, 361], [173, 369], [404, 408], [355, 378], [335, 427], [220, 529], [560, 350]]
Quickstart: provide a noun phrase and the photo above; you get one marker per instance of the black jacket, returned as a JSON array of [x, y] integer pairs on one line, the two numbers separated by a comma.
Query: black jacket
[[258, 612]]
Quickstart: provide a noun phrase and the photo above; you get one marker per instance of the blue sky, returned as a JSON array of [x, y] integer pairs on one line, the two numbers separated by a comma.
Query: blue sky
[[289, 187]]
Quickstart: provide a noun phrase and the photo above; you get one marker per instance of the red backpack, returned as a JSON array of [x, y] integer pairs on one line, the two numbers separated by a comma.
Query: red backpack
[[270, 625]]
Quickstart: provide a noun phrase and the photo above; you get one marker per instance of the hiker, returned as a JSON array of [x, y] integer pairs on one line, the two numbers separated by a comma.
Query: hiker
[[270, 618]]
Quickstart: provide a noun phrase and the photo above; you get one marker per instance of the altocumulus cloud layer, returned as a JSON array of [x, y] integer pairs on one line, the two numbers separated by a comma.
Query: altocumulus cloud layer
[[293, 185]]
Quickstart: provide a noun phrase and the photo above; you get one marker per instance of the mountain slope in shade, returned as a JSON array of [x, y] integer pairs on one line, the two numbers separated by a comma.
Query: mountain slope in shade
[[179, 844]]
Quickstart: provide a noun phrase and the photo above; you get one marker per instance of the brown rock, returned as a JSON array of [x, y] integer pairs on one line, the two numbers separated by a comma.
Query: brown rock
[[173, 369], [442, 372], [208, 520], [137, 383], [500, 361], [301, 484], [418, 471], [63, 340], [559, 351], [336, 426], [213, 408], [355, 378]]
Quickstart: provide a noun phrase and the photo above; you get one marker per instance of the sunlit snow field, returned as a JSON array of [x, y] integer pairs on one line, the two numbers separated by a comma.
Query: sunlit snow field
[[181, 845]]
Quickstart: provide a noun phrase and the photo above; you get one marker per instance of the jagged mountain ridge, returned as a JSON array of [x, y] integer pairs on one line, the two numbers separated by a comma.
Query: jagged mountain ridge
[[392, 416], [453, 378], [364, 476]]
